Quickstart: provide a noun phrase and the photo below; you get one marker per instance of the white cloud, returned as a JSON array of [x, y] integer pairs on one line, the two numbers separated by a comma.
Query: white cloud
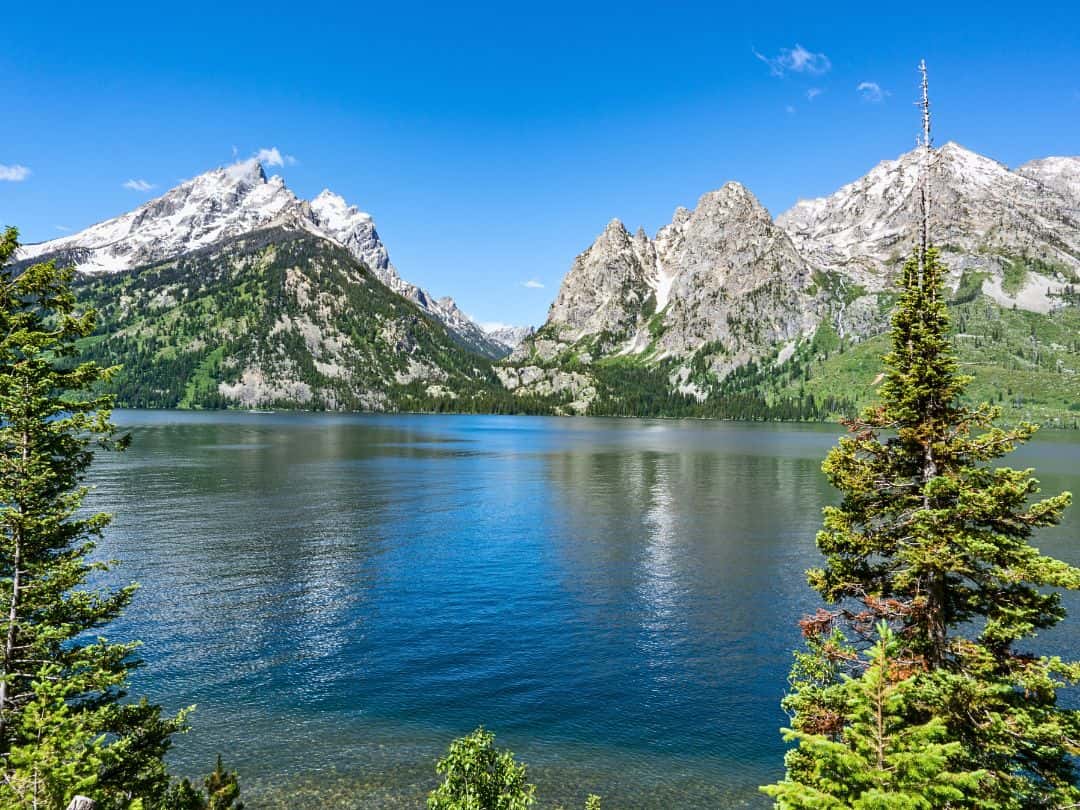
[[273, 157], [789, 109], [871, 91], [532, 284], [138, 185], [813, 93], [796, 60], [62, 228], [14, 173]]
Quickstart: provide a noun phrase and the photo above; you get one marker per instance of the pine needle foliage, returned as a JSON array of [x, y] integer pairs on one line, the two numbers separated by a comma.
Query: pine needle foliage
[[67, 726], [933, 540], [883, 760]]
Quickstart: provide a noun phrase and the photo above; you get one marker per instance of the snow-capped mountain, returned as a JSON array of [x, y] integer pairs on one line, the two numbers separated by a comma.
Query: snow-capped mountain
[[725, 284], [1059, 173], [213, 206], [231, 201], [508, 336], [982, 214]]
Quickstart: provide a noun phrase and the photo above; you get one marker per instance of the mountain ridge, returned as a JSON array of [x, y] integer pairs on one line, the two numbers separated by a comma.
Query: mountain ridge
[[726, 285], [232, 200]]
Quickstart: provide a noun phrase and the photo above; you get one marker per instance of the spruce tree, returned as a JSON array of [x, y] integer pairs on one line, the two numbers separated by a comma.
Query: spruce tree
[[883, 759], [933, 540], [66, 726]]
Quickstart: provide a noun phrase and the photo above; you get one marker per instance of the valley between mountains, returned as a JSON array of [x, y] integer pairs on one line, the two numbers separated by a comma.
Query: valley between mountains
[[230, 291]]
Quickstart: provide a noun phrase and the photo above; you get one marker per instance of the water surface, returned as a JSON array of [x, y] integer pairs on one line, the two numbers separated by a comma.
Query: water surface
[[343, 595]]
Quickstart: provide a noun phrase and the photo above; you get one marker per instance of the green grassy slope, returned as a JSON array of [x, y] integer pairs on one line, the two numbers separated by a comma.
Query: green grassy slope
[[1026, 362]]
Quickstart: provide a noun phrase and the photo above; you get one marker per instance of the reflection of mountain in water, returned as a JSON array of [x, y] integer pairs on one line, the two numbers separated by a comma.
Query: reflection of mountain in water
[[689, 545]]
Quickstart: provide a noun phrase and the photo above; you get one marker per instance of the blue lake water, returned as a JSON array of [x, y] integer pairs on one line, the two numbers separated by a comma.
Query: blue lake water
[[343, 595]]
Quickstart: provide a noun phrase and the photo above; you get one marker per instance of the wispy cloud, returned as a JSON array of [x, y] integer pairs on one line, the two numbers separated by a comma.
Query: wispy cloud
[[872, 92], [796, 60], [138, 185], [790, 109], [62, 228], [813, 93], [532, 284], [273, 157], [13, 173]]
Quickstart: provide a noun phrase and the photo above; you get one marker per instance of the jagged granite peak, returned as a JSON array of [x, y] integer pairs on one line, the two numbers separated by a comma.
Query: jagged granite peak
[[724, 284], [233, 200], [224, 202], [734, 278], [722, 273], [606, 288], [355, 229], [982, 215]]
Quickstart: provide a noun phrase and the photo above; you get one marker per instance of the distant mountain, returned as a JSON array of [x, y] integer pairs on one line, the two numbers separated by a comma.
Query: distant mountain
[[229, 290], [984, 217], [233, 201], [509, 337], [726, 303]]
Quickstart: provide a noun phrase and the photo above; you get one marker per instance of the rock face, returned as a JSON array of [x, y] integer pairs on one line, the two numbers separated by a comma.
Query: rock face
[[510, 337], [733, 278], [605, 294], [723, 275], [725, 284], [981, 215], [233, 201], [1062, 174]]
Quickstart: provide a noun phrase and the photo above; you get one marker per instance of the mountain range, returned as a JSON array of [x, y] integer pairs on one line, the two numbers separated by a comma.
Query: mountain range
[[236, 200], [728, 300], [230, 290]]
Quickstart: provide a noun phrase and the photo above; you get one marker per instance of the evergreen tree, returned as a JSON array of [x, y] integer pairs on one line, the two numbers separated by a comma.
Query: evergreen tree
[[933, 540], [65, 725], [222, 792], [883, 759]]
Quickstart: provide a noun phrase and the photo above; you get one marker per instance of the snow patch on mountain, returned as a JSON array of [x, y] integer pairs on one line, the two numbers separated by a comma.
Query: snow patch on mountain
[[233, 200], [506, 334]]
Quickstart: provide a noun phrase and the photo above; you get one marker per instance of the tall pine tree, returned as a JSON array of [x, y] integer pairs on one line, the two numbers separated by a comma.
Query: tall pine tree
[[933, 540], [66, 726]]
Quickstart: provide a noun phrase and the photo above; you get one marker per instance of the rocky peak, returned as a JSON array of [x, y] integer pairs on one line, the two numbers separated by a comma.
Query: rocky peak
[[1062, 174], [605, 288], [247, 173], [231, 201], [983, 215], [355, 229]]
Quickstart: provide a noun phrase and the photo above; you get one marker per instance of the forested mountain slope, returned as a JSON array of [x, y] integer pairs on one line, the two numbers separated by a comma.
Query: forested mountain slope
[[279, 318]]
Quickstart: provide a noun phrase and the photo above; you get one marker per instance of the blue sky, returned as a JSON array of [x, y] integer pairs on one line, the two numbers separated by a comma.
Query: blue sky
[[492, 142]]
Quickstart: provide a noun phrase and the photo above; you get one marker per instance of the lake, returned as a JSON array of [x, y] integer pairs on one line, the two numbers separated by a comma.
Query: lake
[[342, 595]]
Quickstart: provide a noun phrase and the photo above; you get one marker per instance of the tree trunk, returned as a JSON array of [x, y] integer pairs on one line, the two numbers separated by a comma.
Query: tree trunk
[[13, 610]]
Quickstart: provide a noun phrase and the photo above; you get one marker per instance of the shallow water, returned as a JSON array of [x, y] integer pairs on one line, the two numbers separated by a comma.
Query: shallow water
[[343, 595]]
